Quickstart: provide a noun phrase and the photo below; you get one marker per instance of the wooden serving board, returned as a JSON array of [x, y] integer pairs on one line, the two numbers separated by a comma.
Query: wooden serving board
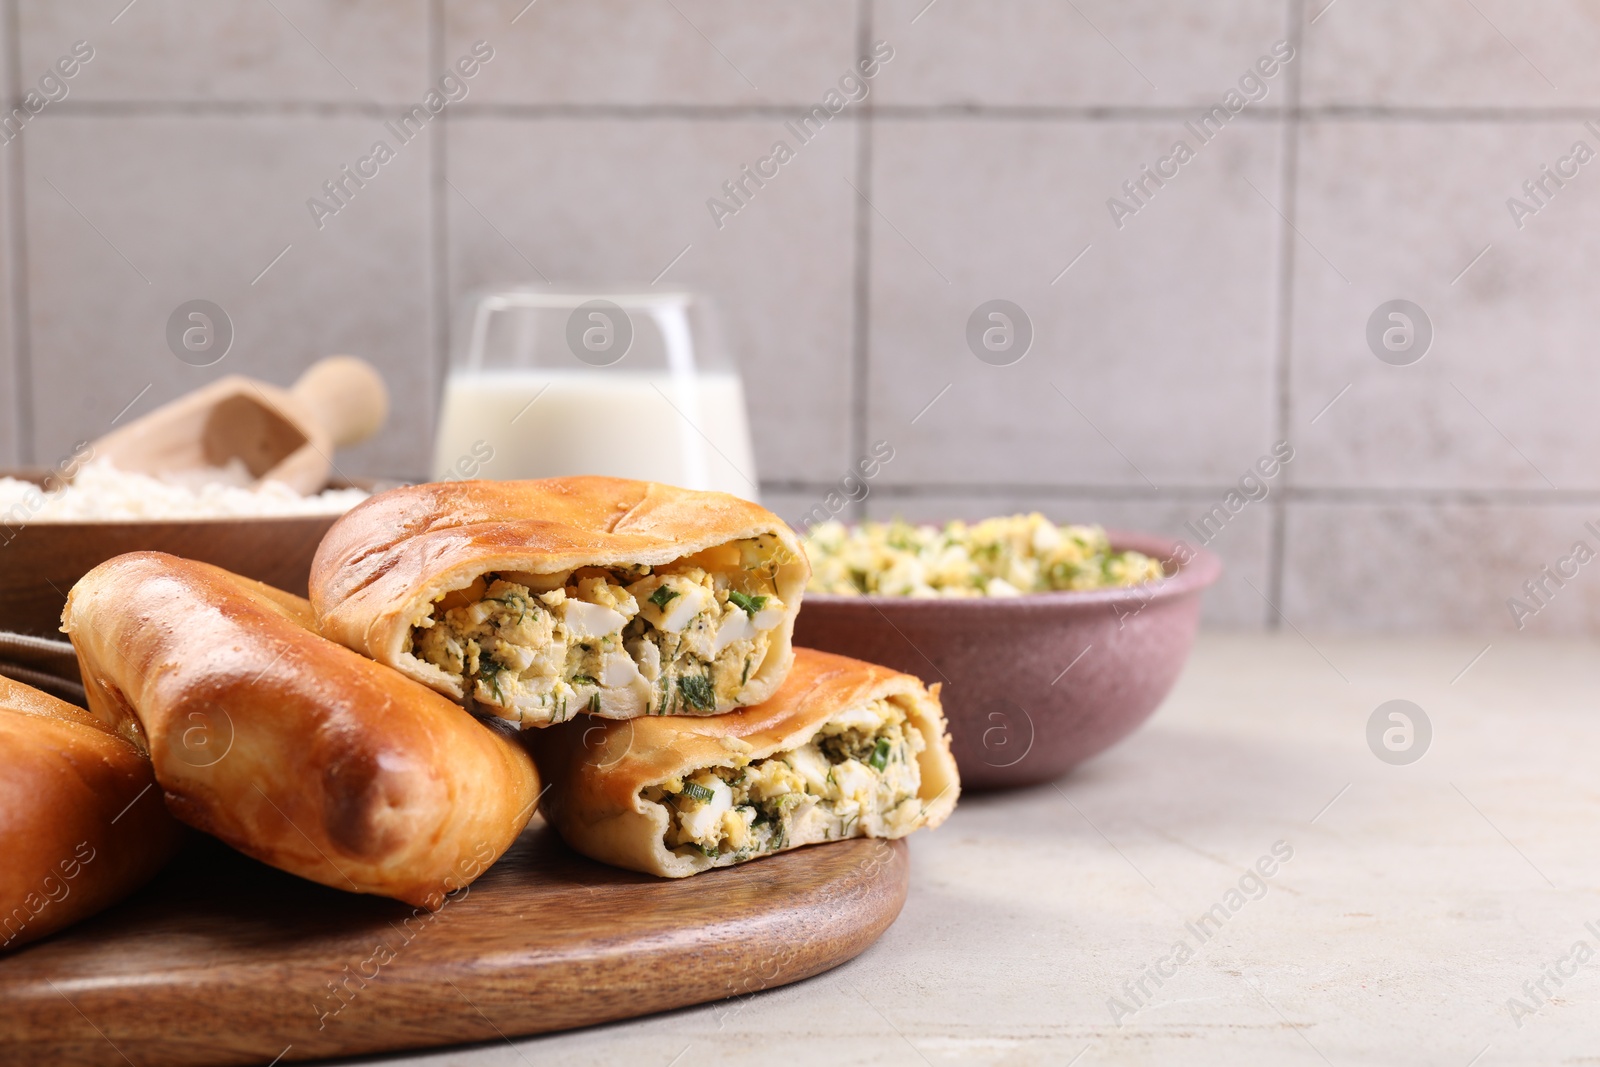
[[222, 960]]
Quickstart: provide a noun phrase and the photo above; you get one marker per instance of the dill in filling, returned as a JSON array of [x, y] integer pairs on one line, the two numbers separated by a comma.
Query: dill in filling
[[682, 638], [858, 775], [696, 689]]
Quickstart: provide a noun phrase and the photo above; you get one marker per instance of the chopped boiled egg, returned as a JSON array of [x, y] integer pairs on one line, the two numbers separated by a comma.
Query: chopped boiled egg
[[674, 609], [618, 671], [854, 780], [702, 821], [735, 625], [809, 764], [584, 620]]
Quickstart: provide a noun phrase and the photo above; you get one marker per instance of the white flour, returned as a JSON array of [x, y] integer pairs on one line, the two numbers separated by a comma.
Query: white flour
[[101, 492]]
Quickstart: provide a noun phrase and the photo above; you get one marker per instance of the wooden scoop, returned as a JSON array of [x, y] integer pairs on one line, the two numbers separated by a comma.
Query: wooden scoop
[[282, 435]]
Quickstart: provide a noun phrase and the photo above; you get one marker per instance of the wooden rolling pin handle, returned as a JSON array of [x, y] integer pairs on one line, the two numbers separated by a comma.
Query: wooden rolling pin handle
[[346, 396]]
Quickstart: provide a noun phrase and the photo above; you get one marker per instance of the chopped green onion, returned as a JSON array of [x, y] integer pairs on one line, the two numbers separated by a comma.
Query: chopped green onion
[[594, 703], [662, 595], [583, 679], [750, 604], [696, 689], [698, 792], [880, 754], [489, 671]]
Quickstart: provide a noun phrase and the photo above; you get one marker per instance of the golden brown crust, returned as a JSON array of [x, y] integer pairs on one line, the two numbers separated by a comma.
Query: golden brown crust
[[382, 565], [287, 746], [80, 826], [595, 770]]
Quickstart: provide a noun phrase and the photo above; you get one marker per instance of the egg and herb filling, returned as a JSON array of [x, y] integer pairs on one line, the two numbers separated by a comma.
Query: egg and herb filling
[[1004, 556], [857, 777], [680, 639]]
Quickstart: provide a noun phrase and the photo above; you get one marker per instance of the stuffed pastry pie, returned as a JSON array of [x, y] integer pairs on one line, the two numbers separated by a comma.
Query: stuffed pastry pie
[[842, 749], [80, 825], [535, 601], [289, 747]]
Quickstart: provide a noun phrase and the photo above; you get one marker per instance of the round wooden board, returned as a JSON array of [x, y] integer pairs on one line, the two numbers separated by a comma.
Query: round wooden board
[[221, 960]]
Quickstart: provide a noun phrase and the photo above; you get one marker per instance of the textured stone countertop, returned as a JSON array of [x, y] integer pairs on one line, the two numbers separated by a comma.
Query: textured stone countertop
[[1418, 901]]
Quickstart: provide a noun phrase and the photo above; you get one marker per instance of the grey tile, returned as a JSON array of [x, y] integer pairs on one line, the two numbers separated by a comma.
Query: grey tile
[[129, 217], [646, 52], [616, 201], [1504, 397], [1151, 361], [1091, 53], [1439, 53], [287, 50], [791, 505], [1428, 567], [1242, 543]]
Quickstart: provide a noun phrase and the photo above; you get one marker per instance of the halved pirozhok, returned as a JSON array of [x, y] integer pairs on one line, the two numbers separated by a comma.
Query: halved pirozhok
[[535, 601], [843, 749]]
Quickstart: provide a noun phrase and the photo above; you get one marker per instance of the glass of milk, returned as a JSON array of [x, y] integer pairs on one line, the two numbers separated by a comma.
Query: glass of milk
[[633, 383]]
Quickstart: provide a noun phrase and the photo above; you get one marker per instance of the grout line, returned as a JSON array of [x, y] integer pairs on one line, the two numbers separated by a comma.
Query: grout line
[[1402, 496], [1283, 361], [77, 108], [478, 109], [1389, 113], [861, 290], [16, 252], [1398, 496], [438, 221], [11, 60]]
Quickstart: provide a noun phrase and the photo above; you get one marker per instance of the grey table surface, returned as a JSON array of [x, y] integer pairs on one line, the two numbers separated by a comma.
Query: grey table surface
[[1435, 912]]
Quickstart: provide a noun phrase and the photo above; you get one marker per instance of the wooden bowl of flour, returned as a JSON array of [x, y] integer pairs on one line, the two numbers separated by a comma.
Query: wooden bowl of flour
[[41, 560]]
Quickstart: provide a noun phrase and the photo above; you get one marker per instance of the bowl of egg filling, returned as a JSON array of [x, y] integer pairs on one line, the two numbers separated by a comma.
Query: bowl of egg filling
[[1050, 642]]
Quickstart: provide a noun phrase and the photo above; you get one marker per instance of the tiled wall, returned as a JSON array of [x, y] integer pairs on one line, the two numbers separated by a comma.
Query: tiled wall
[[1169, 353]]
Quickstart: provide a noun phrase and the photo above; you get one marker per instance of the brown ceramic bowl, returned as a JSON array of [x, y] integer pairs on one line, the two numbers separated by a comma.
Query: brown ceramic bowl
[[1036, 684], [40, 562]]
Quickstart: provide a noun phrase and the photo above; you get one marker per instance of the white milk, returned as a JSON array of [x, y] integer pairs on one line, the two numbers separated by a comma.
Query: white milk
[[688, 430]]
